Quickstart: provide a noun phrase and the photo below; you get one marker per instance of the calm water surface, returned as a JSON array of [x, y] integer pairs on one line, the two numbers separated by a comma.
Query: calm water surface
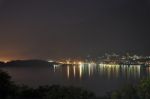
[[97, 78]]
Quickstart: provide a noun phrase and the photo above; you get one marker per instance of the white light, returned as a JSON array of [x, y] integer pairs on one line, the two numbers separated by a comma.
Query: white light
[[68, 71], [50, 61]]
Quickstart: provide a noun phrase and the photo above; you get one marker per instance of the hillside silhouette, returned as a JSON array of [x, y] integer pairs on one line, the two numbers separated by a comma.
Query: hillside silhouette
[[27, 63]]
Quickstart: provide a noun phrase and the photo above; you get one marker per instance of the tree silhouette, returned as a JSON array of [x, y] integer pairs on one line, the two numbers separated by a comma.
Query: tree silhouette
[[9, 90]]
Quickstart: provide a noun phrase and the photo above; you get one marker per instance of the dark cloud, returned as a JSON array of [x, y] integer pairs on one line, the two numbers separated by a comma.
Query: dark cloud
[[71, 28]]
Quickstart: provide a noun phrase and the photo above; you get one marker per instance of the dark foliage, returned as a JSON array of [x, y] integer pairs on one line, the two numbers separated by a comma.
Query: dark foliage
[[139, 91], [8, 90]]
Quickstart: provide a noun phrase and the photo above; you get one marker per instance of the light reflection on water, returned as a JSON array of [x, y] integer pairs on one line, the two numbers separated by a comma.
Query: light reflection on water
[[80, 70], [109, 71], [99, 78]]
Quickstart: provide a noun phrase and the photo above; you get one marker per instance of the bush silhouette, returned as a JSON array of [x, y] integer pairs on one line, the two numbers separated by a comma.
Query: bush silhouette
[[7, 87], [8, 90]]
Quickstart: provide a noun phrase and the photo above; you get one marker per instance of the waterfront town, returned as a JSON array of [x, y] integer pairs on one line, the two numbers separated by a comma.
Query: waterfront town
[[126, 59]]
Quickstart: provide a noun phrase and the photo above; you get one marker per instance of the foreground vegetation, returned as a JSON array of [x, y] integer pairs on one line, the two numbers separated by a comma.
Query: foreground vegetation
[[139, 91], [130, 91], [9, 90]]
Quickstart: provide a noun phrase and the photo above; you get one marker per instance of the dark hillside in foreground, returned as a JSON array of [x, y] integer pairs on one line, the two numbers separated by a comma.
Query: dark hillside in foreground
[[20, 63]]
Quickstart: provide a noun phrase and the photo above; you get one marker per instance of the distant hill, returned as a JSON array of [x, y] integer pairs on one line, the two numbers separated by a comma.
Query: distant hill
[[27, 63]]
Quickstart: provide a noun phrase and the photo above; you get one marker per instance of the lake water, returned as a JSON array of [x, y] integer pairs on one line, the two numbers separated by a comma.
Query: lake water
[[100, 78]]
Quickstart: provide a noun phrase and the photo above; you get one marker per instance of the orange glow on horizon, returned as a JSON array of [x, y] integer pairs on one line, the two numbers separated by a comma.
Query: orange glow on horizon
[[4, 60]]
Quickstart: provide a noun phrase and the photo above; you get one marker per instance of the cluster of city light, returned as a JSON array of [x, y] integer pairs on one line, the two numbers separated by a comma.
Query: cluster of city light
[[5, 61], [50, 61], [68, 62]]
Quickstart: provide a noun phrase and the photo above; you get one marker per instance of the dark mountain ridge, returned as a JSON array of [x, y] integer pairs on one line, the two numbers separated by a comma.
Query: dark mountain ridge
[[20, 63]]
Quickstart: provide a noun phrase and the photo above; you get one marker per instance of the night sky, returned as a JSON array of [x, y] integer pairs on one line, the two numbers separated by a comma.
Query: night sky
[[44, 29]]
